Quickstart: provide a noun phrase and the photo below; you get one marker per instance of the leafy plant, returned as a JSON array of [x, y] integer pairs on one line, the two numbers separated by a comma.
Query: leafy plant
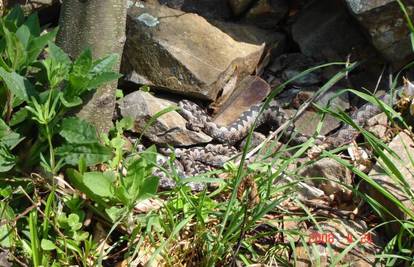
[[42, 90], [112, 188], [39, 85]]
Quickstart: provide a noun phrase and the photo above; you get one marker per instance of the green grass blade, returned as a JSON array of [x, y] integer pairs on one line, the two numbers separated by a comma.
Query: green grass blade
[[34, 239]]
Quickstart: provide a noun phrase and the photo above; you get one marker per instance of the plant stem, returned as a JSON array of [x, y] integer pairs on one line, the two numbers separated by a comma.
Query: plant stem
[[51, 153]]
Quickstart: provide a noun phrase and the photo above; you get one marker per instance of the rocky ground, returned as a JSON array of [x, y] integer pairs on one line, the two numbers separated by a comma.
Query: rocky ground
[[230, 55]]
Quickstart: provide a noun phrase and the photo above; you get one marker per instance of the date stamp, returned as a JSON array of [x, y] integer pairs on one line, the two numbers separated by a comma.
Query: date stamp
[[331, 238]]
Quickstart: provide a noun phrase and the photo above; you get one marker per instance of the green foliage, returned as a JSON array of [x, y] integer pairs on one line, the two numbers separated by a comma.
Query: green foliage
[[113, 188], [81, 141], [8, 141], [48, 217], [38, 92], [39, 84], [139, 182]]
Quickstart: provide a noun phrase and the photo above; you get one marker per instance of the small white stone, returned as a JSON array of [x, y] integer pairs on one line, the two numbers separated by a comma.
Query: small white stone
[[148, 20]]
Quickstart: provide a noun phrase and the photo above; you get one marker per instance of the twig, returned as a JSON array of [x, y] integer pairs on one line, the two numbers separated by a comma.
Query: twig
[[21, 215]]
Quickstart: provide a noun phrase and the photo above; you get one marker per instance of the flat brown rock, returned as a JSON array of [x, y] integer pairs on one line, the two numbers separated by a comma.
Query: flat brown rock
[[183, 53], [251, 90], [170, 128]]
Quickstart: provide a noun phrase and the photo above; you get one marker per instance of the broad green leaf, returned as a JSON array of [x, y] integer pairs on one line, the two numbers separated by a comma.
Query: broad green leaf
[[102, 78], [115, 212], [149, 187], [23, 34], [134, 179], [17, 84], [47, 245], [83, 63], [19, 117], [126, 123], [7, 137], [73, 220], [37, 45], [7, 235], [32, 22], [73, 102], [122, 195], [17, 101], [78, 84], [16, 16], [100, 183], [7, 159], [150, 155], [93, 153], [58, 55], [138, 183], [6, 191], [77, 181], [16, 52], [78, 131], [105, 64], [57, 69]]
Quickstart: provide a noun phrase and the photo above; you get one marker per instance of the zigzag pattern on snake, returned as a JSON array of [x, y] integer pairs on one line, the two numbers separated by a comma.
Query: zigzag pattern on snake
[[193, 161], [273, 115], [201, 159], [346, 134]]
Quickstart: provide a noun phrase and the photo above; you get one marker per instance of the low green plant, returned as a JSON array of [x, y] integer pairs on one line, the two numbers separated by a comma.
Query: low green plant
[[39, 87], [44, 212]]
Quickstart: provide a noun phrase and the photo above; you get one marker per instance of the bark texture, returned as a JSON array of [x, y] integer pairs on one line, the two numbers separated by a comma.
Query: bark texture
[[100, 25]]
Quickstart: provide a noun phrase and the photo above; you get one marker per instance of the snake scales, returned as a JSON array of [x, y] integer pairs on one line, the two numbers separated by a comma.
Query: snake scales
[[196, 160]]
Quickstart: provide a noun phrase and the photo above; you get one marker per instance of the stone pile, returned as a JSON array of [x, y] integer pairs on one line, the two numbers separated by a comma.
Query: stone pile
[[230, 55]]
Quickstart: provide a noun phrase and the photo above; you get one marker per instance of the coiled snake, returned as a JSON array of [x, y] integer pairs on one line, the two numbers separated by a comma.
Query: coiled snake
[[197, 160]]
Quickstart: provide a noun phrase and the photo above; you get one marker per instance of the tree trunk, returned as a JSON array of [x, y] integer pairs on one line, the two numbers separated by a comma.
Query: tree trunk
[[100, 25]]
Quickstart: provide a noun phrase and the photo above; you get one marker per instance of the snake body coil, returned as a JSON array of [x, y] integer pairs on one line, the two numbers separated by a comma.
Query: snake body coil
[[197, 160]]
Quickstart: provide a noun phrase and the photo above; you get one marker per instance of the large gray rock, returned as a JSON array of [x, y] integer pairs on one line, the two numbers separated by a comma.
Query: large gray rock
[[325, 30], [183, 52], [385, 23], [403, 145], [169, 128]]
